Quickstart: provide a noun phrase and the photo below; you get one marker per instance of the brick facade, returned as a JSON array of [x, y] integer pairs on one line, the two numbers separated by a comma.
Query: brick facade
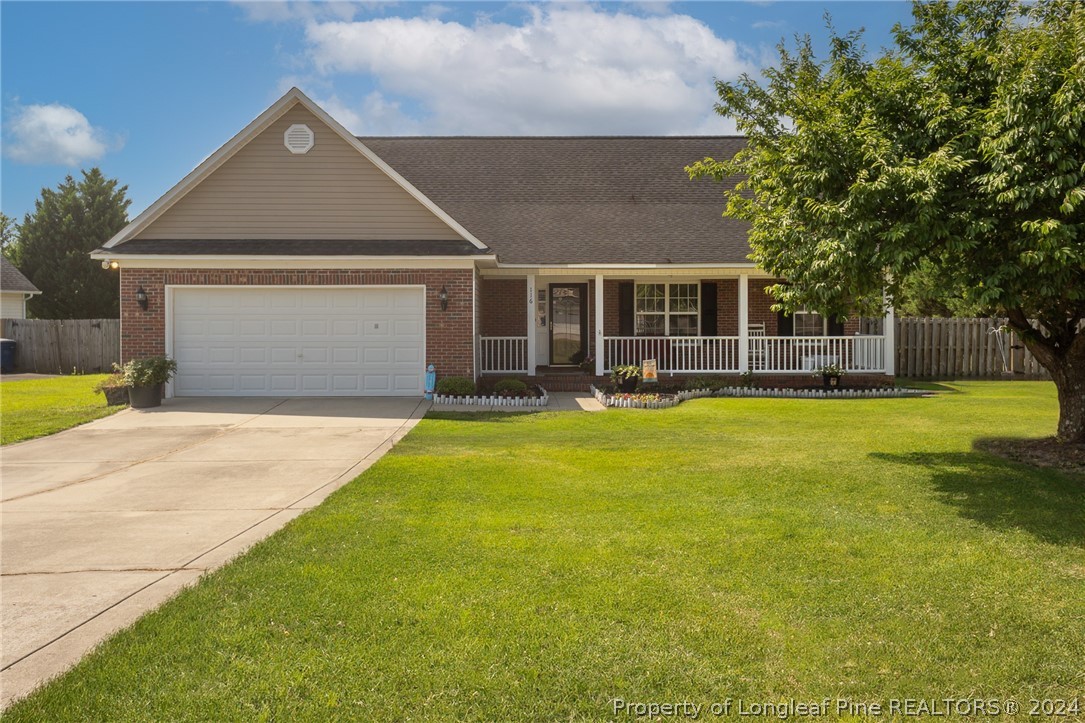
[[502, 307], [449, 338]]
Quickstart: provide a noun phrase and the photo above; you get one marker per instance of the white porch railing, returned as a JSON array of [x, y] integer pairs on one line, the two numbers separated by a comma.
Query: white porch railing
[[708, 354], [503, 354], [798, 354], [767, 354], [678, 354]]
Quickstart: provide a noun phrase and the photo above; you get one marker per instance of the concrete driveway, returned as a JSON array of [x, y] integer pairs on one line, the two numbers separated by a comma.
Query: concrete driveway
[[106, 521]]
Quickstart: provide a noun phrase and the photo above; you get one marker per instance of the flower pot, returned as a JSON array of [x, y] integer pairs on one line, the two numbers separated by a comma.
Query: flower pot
[[830, 381], [145, 397], [629, 385], [115, 396]]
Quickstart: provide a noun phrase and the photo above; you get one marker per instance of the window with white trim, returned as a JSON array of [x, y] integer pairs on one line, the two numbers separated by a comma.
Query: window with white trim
[[809, 323], [668, 309]]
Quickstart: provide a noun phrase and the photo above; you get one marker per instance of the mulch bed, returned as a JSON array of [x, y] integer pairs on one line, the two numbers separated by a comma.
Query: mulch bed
[[1044, 452]]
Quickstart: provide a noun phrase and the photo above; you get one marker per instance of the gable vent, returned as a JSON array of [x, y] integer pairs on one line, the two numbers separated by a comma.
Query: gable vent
[[299, 138]]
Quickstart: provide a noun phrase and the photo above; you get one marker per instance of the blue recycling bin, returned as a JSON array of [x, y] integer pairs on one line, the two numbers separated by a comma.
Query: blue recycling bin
[[7, 356]]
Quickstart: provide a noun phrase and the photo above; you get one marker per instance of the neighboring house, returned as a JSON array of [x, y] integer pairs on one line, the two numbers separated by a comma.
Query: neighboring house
[[15, 290], [301, 260]]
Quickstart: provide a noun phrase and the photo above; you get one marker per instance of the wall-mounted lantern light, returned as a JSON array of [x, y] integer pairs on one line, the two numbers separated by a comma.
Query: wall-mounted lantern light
[[141, 298], [443, 296]]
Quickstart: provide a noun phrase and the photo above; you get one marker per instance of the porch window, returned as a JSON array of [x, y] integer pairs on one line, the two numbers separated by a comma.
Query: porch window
[[809, 323], [668, 309]]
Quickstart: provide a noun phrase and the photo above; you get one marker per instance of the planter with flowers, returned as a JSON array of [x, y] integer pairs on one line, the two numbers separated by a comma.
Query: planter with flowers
[[625, 377], [830, 375], [114, 388], [145, 378]]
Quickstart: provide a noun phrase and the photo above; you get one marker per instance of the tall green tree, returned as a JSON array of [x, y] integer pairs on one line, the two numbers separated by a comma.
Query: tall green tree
[[959, 153], [55, 242], [9, 234]]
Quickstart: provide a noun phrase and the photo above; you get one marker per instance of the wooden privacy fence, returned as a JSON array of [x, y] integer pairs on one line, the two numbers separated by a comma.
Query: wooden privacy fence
[[933, 348], [59, 346]]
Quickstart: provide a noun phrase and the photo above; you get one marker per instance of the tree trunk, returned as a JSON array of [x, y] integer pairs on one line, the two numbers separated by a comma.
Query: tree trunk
[[1067, 368]]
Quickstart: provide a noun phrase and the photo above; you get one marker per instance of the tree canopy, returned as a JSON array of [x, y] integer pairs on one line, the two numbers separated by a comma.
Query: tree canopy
[[959, 153], [54, 242]]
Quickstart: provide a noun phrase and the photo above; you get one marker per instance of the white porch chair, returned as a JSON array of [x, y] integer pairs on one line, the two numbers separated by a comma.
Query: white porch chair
[[757, 349]]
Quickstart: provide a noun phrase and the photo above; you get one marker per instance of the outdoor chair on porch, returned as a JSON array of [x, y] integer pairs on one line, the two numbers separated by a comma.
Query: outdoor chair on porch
[[756, 333]]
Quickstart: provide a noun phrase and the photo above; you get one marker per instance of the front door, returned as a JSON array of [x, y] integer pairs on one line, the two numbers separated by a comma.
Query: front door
[[568, 324]]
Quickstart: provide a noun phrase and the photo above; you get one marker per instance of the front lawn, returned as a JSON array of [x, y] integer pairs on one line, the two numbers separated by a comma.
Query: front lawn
[[538, 567], [35, 407]]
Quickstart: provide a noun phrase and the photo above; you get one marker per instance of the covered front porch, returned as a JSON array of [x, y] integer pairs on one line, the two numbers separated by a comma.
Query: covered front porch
[[691, 321]]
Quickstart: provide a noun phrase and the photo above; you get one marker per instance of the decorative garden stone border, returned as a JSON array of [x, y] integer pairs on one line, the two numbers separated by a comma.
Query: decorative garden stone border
[[876, 393], [494, 401], [617, 400]]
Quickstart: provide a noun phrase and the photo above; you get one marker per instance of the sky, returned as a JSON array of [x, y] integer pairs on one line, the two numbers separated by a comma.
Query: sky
[[147, 90]]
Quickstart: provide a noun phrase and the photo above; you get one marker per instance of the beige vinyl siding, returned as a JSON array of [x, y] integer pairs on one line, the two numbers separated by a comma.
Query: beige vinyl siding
[[12, 305], [266, 192]]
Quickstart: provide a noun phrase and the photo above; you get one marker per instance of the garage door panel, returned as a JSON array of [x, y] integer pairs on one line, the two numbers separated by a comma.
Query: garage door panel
[[252, 327], [345, 355], [222, 355], [406, 355], [252, 354], [375, 355], [298, 341]]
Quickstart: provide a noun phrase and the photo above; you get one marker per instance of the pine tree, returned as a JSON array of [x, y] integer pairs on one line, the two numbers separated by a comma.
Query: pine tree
[[55, 242]]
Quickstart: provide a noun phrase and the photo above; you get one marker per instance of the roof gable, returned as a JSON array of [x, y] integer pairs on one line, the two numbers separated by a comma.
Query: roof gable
[[11, 279], [255, 188]]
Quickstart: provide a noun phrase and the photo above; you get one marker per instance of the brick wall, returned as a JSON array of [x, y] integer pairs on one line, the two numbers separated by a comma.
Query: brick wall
[[760, 304], [449, 342], [502, 307]]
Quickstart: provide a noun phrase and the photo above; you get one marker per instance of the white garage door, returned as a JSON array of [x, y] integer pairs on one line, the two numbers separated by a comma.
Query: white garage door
[[316, 341]]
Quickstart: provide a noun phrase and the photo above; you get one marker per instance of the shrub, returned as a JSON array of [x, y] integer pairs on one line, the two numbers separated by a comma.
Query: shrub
[[148, 372], [456, 386], [512, 386]]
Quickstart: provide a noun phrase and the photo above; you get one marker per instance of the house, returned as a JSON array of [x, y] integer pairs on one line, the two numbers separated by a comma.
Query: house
[[301, 260], [15, 290]]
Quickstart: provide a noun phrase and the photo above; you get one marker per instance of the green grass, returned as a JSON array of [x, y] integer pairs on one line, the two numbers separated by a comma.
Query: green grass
[[536, 567], [36, 407]]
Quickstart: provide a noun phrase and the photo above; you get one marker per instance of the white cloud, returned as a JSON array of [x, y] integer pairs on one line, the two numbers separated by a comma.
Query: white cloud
[[54, 134], [281, 11], [566, 69], [768, 24]]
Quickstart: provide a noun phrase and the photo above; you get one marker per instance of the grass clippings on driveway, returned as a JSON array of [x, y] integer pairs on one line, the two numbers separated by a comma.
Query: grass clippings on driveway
[[32, 408], [538, 567]]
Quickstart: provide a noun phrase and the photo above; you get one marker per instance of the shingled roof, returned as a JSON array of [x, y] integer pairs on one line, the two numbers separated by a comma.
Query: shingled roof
[[11, 279], [577, 200]]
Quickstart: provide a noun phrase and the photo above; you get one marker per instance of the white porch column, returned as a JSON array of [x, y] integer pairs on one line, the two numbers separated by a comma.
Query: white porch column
[[889, 329], [599, 350], [531, 301], [743, 323]]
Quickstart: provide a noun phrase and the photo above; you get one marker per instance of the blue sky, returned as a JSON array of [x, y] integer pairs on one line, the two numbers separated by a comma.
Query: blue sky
[[147, 90]]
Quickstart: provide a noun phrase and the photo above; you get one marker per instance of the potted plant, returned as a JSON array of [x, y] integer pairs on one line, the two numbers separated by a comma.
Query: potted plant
[[626, 377], [114, 388], [144, 379], [830, 375], [588, 365]]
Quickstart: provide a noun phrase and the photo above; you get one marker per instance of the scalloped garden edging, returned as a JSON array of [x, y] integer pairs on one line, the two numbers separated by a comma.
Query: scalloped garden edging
[[484, 401], [620, 400]]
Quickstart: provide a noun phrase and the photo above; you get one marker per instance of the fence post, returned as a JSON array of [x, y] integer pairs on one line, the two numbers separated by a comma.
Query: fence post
[[889, 330]]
